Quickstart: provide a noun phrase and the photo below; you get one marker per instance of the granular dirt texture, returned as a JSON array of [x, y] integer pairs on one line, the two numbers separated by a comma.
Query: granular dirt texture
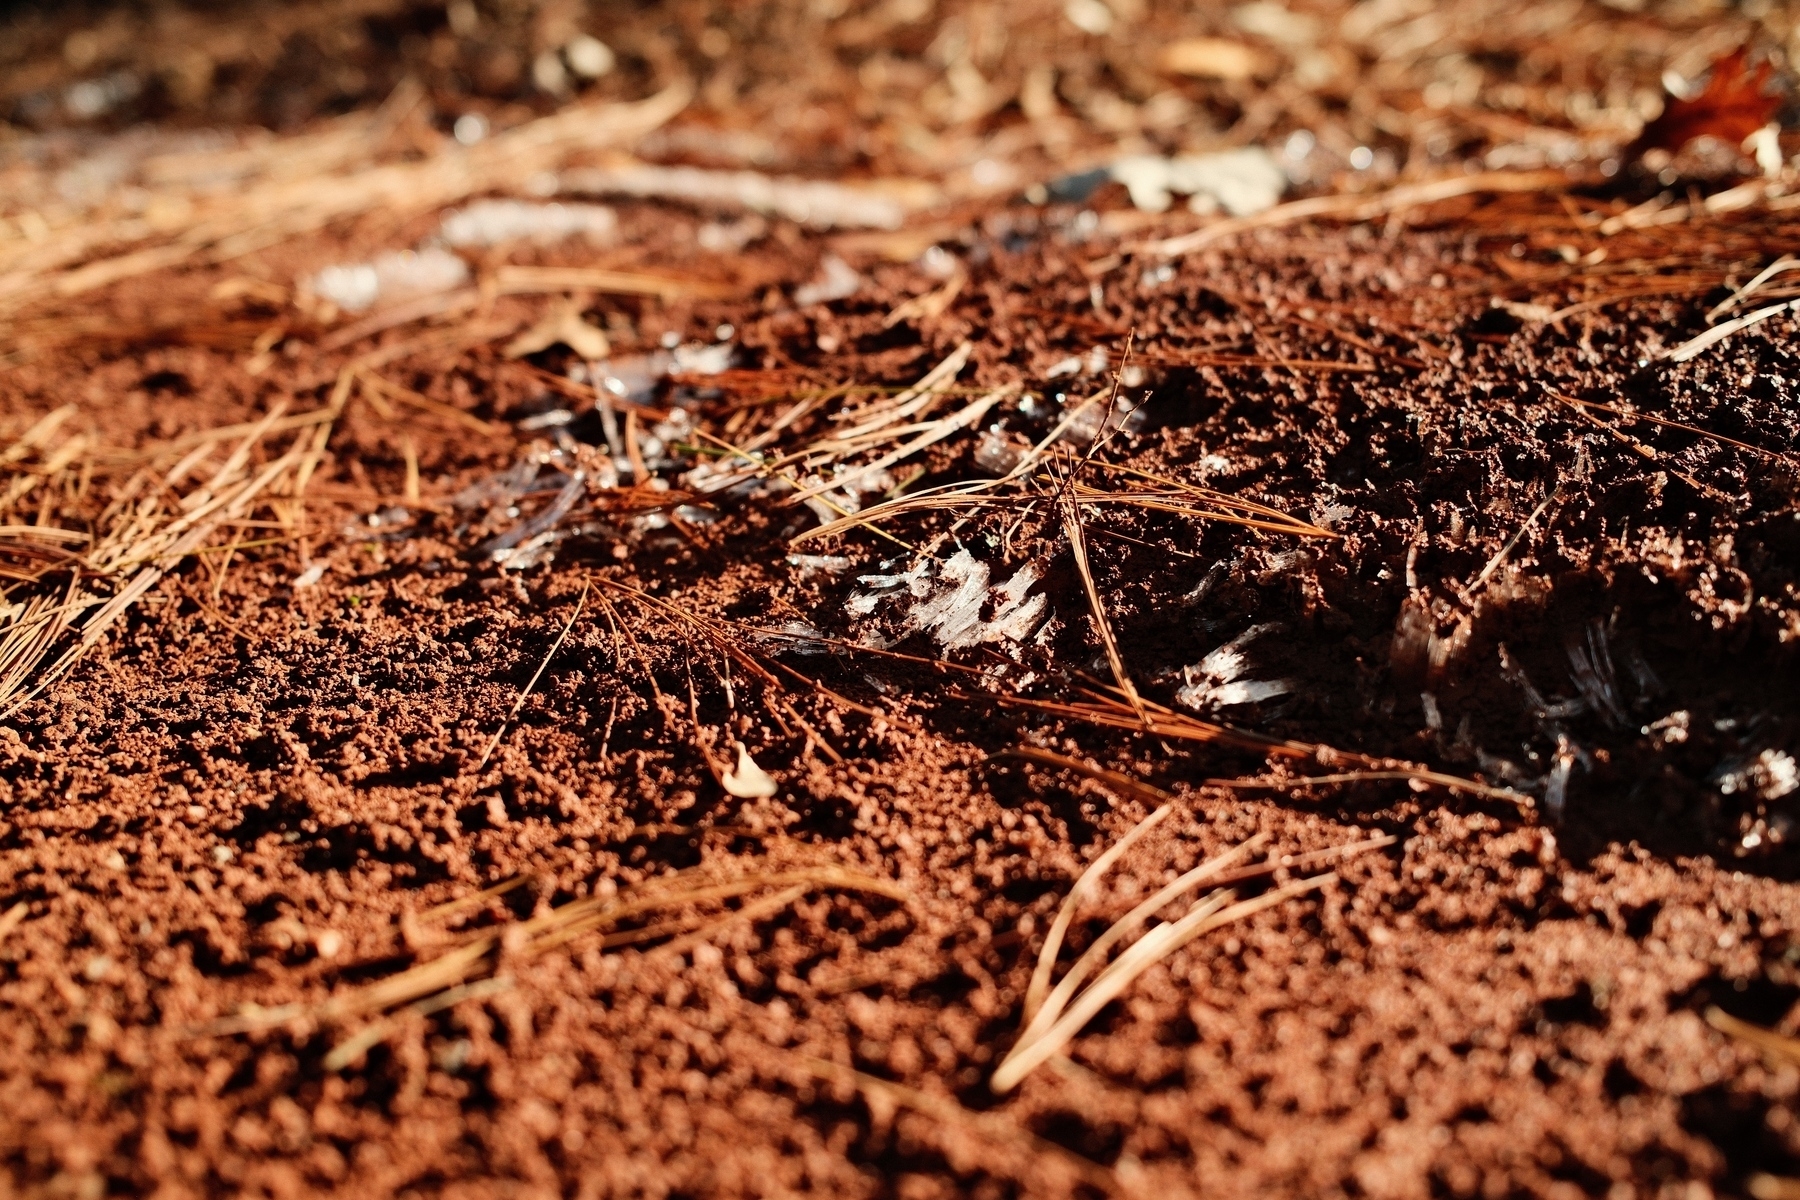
[[268, 789], [623, 776]]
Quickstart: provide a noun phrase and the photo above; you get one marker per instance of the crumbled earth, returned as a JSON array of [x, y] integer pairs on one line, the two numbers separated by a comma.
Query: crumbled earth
[[332, 751], [256, 793]]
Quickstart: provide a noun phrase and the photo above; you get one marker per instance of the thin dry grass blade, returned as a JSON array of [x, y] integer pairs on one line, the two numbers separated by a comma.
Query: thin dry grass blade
[[12, 918], [519, 281], [933, 434], [144, 542], [1113, 779], [1696, 346], [912, 402], [1152, 948], [1786, 262], [1362, 208], [535, 676], [372, 1035], [540, 935], [1124, 927], [1078, 544], [1766, 1040], [451, 908], [263, 212], [1039, 987]]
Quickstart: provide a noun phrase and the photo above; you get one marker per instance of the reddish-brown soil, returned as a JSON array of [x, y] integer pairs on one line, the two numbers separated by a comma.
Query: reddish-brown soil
[[258, 789]]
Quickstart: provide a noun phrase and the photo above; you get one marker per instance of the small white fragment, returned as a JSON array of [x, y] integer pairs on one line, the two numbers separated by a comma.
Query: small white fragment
[[836, 280], [1281, 25], [547, 420], [728, 237], [699, 358], [328, 942], [818, 203], [748, 781], [1250, 691], [492, 222], [939, 263], [1765, 147], [1783, 773], [589, 57], [1768, 775], [97, 968], [916, 581], [1556, 790], [1016, 611], [953, 615], [1242, 181], [1434, 716], [810, 563], [222, 854], [1214, 682], [1089, 16], [310, 576], [469, 129], [91, 98], [548, 73], [355, 287], [1146, 177], [1330, 516]]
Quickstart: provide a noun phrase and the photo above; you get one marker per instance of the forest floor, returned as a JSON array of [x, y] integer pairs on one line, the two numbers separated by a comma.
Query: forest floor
[[625, 713]]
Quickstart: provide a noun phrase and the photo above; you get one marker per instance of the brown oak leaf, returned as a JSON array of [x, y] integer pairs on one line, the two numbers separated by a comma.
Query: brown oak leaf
[[1733, 106]]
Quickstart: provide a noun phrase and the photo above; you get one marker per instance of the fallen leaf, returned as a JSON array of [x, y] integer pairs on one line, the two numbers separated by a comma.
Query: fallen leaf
[[747, 781], [562, 324], [1733, 106]]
